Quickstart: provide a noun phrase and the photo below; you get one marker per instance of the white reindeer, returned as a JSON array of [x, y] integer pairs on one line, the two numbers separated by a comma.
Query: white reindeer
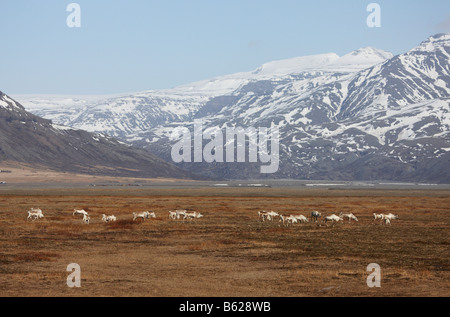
[[177, 214], [378, 216], [32, 216], [192, 215], [180, 213], [35, 214], [271, 215], [109, 218], [36, 210], [144, 215], [267, 215], [283, 219], [301, 218], [333, 218], [288, 219], [291, 220], [80, 212], [262, 215], [172, 215], [387, 218], [350, 216], [391, 216], [86, 219]]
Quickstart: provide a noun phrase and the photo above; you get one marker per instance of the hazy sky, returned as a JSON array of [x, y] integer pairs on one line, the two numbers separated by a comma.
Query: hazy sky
[[134, 45]]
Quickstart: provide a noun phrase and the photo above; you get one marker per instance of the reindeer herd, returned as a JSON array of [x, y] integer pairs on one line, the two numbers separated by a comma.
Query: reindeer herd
[[36, 214], [264, 216], [316, 216]]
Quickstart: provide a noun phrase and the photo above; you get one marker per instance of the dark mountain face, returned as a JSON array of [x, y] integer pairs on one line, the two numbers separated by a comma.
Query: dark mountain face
[[26, 138]]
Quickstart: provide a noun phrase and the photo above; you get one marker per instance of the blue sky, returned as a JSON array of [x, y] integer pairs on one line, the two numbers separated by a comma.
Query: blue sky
[[134, 45]]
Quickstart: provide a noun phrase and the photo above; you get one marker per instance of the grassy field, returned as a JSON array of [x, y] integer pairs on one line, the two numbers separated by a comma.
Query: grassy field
[[229, 252]]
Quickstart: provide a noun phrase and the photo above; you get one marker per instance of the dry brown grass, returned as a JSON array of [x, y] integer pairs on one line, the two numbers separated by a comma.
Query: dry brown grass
[[228, 252]]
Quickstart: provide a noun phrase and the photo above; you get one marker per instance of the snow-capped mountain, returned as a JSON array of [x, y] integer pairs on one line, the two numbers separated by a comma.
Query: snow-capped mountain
[[367, 115], [125, 116], [28, 139]]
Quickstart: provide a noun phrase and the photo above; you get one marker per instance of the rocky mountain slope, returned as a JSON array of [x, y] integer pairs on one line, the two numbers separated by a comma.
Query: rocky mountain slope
[[27, 138]]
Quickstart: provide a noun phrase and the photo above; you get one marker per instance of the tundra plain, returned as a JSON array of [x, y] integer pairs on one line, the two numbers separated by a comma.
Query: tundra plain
[[228, 252]]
